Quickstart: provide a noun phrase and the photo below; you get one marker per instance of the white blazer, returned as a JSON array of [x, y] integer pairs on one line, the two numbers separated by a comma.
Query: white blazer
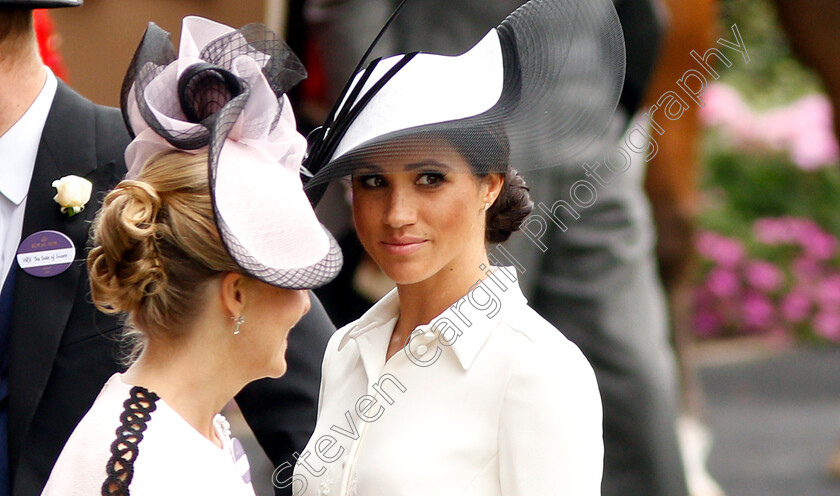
[[487, 399]]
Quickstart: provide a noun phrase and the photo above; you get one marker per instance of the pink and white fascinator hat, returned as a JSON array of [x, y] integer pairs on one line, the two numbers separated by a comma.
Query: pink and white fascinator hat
[[224, 94]]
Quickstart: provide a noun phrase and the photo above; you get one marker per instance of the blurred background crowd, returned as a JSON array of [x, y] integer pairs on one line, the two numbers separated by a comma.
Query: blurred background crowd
[[745, 193]]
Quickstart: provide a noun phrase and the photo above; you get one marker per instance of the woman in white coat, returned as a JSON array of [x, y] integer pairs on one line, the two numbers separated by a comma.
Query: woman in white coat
[[451, 383]]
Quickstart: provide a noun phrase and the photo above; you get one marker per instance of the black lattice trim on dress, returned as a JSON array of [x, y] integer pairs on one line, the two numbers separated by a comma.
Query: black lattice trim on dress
[[124, 450]]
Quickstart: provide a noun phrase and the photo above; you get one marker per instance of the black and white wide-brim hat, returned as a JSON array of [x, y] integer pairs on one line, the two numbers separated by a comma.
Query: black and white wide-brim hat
[[547, 79], [224, 94]]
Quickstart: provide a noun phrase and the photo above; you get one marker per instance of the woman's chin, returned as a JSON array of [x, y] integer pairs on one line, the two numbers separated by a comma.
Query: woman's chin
[[404, 276], [278, 366], [278, 370]]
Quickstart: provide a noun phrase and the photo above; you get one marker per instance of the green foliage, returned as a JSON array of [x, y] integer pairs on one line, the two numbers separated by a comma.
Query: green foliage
[[748, 185], [773, 76]]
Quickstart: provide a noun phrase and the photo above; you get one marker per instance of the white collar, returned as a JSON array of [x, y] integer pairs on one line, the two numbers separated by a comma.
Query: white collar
[[474, 315], [19, 145]]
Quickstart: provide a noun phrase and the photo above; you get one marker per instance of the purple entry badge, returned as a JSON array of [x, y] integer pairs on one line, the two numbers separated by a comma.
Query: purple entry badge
[[46, 253]]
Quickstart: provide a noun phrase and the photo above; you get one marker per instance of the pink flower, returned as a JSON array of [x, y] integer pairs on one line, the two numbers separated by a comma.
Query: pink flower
[[803, 128], [707, 323], [774, 130], [789, 230], [795, 306], [759, 312], [813, 143], [819, 245], [827, 324], [812, 151], [723, 283], [727, 252], [763, 275], [828, 291], [803, 230], [806, 270], [724, 106], [772, 231]]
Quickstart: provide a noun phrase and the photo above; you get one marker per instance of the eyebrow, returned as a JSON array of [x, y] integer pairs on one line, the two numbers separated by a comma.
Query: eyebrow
[[368, 168], [427, 163]]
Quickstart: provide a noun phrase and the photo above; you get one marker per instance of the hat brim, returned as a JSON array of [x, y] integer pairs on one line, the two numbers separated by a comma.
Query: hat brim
[[550, 76], [266, 222]]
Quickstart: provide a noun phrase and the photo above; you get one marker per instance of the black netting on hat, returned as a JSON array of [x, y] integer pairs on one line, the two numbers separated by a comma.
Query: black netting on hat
[[563, 68], [281, 68]]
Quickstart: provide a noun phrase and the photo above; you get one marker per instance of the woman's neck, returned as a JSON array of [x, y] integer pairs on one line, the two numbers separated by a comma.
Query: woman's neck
[[425, 300], [193, 380]]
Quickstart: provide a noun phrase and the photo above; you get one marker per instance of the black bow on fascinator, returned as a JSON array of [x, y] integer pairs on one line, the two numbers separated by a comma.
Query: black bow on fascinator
[[546, 80], [224, 94]]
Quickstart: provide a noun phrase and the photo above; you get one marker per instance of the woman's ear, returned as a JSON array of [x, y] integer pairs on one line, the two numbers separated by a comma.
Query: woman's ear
[[233, 293], [493, 183]]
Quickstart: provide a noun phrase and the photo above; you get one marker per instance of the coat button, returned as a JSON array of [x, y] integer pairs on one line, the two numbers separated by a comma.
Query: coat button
[[422, 349], [324, 488]]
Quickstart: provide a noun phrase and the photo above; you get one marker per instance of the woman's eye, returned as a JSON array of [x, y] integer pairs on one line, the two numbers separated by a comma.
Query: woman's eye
[[430, 178], [371, 182]]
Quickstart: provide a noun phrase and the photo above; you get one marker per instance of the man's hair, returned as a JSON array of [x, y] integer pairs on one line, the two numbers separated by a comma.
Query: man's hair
[[15, 24]]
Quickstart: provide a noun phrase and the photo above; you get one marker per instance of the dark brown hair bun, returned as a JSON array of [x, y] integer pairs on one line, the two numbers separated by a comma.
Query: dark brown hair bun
[[510, 209]]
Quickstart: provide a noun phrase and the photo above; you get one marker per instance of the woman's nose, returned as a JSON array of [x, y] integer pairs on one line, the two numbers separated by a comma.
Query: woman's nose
[[401, 210]]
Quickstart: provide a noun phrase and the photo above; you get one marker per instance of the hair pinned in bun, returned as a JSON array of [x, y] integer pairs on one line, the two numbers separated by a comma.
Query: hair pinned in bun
[[510, 209], [125, 263]]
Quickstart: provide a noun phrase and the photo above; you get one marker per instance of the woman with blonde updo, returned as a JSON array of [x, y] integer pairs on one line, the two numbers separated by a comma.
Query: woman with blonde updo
[[159, 260], [209, 288], [156, 245]]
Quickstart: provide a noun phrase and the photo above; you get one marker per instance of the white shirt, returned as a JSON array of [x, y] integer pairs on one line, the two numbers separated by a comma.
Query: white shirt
[[18, 150], [489, 399], [173, 458]]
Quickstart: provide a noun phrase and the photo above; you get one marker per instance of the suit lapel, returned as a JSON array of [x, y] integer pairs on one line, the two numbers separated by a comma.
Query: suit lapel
[[42, 306]]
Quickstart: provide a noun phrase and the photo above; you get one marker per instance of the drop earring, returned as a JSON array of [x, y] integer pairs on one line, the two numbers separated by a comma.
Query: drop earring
[[239, 321]]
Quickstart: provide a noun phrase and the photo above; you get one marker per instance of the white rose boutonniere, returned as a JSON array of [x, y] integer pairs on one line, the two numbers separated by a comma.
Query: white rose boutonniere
[[73, 193]]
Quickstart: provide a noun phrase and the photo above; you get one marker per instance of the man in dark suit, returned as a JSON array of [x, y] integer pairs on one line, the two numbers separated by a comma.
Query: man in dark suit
[[56, 350]]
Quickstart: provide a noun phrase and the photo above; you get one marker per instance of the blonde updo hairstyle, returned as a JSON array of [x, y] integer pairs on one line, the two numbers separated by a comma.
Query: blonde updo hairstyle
[[156, 246]]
